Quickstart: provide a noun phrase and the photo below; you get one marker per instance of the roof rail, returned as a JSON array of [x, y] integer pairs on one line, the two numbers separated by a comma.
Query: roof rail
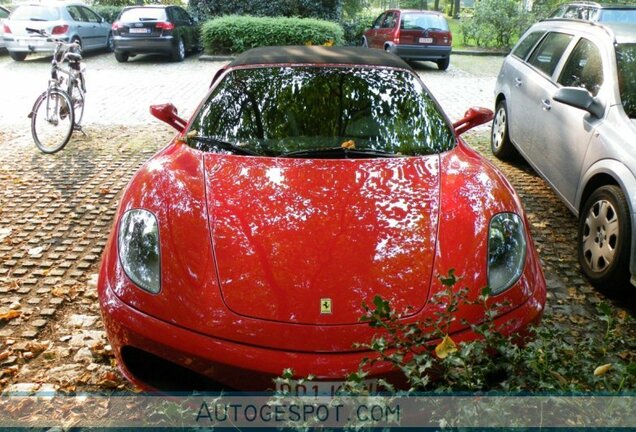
[[600, 25]]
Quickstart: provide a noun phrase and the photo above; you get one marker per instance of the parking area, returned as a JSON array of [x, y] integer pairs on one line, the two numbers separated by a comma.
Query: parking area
[[56, 210]]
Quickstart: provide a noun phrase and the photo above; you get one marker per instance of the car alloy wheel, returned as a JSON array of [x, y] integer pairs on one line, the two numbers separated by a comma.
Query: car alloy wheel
[[604, 233], [179, 51], [500, 143]]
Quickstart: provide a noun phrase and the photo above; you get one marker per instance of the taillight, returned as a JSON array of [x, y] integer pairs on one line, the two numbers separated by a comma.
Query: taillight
[[6, 29], [116, 26], [396, 38], [61, 29], [164, 25]]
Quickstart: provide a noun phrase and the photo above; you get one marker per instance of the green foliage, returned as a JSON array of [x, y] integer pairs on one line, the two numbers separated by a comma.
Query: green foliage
[[356, 26], [235, 34], [119, 3], [109, 13], [550, 360], [351, 8], [321, 9], [494, 23]]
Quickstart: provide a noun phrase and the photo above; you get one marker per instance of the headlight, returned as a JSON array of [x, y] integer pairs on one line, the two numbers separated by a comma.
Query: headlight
[[139, 249], [506, 251]]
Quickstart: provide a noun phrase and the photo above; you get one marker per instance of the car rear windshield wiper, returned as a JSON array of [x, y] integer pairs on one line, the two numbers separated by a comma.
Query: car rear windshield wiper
[[220, 144], [346, 153]]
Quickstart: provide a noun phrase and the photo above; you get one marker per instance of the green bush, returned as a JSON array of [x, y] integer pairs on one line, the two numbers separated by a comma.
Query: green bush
[[321, 9], [110, 13], [495, 23], [356, 26], [235, 34]]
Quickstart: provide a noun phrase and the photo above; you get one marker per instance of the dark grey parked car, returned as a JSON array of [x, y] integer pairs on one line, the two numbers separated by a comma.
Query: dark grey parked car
[[566, 100], [168, 30]]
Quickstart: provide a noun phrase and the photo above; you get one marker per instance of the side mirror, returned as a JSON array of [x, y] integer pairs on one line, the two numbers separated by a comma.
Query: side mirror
[[168, 113], [474, 117], [580, 98]]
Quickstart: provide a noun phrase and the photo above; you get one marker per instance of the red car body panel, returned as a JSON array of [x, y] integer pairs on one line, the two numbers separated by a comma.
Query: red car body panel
[[191, 304], [290, 232], [251, 245]]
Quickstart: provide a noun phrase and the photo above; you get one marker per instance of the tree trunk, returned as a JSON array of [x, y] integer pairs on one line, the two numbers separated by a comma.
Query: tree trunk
[[456, 9], [436, 5]]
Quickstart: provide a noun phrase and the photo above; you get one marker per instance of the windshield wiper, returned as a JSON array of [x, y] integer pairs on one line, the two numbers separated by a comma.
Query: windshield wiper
[[220, 144], [348, 153]]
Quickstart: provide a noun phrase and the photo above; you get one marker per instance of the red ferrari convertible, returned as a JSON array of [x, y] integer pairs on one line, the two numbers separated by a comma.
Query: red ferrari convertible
[[307, 182]]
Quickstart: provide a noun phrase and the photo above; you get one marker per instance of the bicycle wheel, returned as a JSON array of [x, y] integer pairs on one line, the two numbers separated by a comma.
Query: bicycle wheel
[[52, 120]]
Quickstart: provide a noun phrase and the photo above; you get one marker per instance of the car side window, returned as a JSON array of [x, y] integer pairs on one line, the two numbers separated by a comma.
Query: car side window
[[3, 14], [547, 55], [378, 21], [183, 16], [89, 15], [525, 46], [584, 68], [74, 12], [389, 21]]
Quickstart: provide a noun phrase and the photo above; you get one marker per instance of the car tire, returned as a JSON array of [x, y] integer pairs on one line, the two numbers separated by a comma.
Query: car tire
[[604, 239], [178, 52], [121, 57], [17, 56], [110, 43], [500, 143], [443, 63], [387, 48]]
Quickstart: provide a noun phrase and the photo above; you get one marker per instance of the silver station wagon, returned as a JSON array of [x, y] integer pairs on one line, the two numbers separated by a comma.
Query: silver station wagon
[[566, 101]]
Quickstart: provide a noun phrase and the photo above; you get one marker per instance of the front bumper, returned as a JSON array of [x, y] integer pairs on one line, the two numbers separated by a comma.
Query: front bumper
[[421, 52], [149, 45], [246, 367]]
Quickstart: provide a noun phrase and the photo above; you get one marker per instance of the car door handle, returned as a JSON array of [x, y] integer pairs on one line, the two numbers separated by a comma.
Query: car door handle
[[547, 106], [518, 82]]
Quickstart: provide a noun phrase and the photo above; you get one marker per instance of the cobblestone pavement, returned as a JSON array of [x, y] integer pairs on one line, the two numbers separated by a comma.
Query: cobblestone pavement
[[56, 210]]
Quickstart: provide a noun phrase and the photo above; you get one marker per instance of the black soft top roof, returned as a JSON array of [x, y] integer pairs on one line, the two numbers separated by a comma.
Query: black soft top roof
[[318, 55]]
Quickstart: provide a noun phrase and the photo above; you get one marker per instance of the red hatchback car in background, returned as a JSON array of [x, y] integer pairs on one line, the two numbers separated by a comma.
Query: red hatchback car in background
[[412, 35]]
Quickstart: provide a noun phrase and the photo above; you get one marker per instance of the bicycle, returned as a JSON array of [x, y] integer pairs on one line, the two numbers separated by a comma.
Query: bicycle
[[59, 110]]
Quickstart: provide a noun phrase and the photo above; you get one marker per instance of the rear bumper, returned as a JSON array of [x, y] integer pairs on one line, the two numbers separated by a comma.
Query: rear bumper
[[29, 44], [246, 367], [163, 44], [421, 52]]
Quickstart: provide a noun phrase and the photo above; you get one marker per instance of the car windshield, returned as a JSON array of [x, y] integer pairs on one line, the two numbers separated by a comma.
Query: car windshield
[[36, 13], [305, 111], [143, 14], [618, 15], [423, 21], [626, 58]]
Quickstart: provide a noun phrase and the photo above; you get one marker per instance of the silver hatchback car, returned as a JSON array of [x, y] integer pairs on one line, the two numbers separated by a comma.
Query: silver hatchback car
[[566, 101], [67, 21]]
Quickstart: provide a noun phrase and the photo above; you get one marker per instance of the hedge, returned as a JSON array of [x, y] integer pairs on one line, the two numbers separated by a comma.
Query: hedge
[[109, 13], [319, 9], [234, 34]]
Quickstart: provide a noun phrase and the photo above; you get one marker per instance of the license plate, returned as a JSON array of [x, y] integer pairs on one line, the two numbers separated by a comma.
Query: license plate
[[318, 388], [25, 42], [426, 40], [139, 30]]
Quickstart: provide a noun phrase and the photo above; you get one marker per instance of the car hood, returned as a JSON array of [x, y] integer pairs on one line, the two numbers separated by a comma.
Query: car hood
[[308, 241]]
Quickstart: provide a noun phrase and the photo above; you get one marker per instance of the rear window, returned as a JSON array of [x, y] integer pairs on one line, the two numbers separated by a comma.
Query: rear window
[[626, 58], [423, 21], [618, 15], [523, 48], [546, 57], [36, 13], [279, 110], [143, 14]]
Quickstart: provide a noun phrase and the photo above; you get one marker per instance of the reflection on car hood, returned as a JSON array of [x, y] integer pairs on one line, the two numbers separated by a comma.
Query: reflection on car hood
[[307, 241]]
